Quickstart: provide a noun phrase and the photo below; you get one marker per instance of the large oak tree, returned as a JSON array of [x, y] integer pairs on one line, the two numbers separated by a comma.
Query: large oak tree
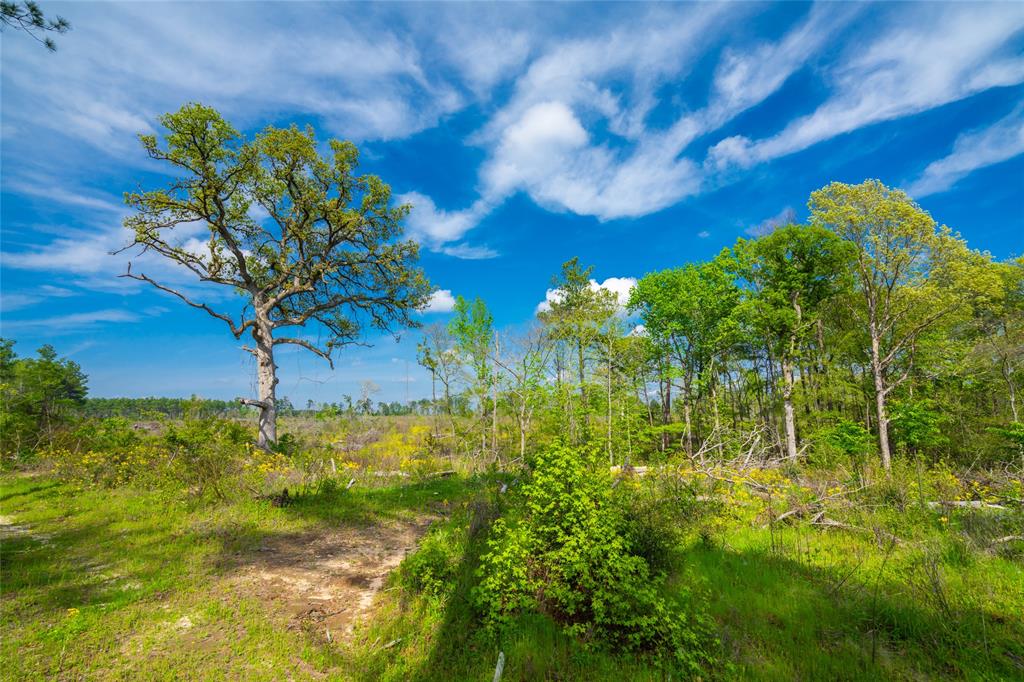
[[309, 245]]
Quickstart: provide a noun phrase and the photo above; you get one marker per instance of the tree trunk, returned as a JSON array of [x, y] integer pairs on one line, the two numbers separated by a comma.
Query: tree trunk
[[787, 378], [880, 392], [686, 418], [494, 400], [522, 434], [266, 375], [787, 404], [666, 406], [611, 459], [1008, 376], [584, 405]]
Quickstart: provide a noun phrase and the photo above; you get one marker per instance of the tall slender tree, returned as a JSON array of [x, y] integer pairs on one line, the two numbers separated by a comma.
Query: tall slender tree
[[792, 271], [900, 258]]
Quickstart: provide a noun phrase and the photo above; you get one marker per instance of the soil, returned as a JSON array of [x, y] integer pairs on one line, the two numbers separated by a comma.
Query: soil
[[325, 582]]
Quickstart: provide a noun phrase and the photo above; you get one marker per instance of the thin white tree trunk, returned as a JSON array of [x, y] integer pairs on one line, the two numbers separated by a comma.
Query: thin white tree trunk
[[611, 458], [880, 392], [787, 403]]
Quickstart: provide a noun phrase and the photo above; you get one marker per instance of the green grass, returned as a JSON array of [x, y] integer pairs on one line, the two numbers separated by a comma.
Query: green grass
[[127, 584], [130, 584]]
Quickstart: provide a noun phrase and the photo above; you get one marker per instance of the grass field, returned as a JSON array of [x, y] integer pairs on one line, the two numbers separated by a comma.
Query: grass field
[[126, 584]]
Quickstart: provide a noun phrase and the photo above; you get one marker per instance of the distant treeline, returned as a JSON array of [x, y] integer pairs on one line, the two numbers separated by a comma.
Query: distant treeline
[[141, 408]]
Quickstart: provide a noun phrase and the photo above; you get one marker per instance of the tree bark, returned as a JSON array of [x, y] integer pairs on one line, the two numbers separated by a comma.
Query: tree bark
[[880, 394], [787, 404], [787, 378], [266, 375]]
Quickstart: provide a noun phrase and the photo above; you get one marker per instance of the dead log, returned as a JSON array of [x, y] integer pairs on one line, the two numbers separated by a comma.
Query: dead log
[[968, 504]]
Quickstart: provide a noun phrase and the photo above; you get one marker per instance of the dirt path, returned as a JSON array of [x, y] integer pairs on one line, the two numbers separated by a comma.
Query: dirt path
[[326, 581]]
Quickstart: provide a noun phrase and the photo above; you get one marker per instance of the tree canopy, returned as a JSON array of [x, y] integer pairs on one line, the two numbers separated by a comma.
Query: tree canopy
[[301, 237]]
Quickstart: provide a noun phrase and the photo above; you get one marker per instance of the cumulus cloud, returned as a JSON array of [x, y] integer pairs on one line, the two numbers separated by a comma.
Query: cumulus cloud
[[540, 142], [620, 286], [435, 226], [999, 142], [441, 301]]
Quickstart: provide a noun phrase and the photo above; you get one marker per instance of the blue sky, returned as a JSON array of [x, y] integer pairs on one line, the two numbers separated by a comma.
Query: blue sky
[[636, 137]]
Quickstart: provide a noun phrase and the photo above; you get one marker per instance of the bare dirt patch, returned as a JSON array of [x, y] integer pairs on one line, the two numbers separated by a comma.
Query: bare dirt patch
[[326, 581]]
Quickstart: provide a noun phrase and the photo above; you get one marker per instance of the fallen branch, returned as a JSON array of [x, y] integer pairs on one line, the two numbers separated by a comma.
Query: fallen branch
[[829, 523], [971, 504]]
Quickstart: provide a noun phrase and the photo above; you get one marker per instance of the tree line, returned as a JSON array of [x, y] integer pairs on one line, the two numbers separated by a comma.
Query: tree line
[[871, 321]]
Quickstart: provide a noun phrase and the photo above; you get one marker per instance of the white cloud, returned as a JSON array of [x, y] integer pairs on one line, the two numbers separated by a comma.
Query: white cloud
[[539, 141], [434, 226], [17, 300], [703, 234], [441, 301], [586, 117], [52, 190], [999, 142], [467, 252], [82, 254], [768, 225], [72, 322], [932, 55], [125, 64], [620, 286]]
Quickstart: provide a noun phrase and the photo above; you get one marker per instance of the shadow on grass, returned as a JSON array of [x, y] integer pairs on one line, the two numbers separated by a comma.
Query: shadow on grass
[[402, 500], [39, 490], [778, 619], [781, 618]]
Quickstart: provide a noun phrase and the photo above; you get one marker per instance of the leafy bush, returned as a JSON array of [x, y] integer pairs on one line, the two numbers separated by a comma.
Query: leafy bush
[[916, 425], [433, 567], [205, 452], [564, 551], [112, 433], [657, 513], [1013, 436], [844, 441], [108, 467]]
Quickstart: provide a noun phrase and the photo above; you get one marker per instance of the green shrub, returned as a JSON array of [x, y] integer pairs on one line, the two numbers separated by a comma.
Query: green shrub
[[205, 452], [916, 425], [843, 442], [433, 568], [658, 511], [564, 551], [112, 433]]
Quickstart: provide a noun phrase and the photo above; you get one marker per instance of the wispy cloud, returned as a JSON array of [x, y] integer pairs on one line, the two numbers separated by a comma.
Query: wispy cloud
[[72, 322], [540, 141], [999, 142], [929, 56], [16, 300], [768, 225]]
